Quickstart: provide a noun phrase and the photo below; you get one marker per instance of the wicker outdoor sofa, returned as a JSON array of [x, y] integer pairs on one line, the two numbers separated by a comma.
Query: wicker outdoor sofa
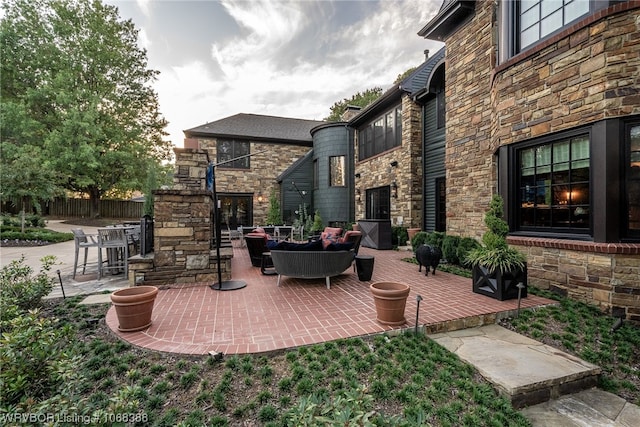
[[311, 264]]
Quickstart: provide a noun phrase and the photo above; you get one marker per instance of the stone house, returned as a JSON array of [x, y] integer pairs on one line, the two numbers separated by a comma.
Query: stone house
[[270, 146], [538, 101], [543, 107]]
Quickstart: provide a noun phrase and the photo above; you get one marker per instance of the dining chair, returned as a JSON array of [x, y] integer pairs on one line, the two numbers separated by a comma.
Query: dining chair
[[114, 241], [85, 241]]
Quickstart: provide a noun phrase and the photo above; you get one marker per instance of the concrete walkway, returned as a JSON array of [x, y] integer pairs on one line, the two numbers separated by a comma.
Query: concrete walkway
[[64, 252]]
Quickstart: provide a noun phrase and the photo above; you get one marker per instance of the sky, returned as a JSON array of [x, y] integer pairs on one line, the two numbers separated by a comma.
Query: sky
[[273, 57]]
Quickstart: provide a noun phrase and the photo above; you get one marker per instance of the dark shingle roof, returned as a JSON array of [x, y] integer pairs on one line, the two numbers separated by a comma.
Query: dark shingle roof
[[257, 127], [420, 76], [412, 84]]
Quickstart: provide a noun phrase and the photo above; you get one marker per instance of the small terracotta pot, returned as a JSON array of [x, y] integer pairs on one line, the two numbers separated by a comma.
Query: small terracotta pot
[[390, 299], [134, 307]]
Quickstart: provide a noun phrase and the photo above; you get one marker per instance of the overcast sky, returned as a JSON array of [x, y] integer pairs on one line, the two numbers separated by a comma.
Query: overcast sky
[[280, 58]]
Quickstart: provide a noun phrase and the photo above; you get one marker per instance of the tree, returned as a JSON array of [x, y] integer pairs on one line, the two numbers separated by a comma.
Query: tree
[[360, 99], [273, 215], [72, 71]]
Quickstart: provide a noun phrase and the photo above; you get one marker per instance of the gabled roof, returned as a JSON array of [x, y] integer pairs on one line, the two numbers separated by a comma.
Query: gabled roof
[[258, 128], [412, 84], [451, 15]]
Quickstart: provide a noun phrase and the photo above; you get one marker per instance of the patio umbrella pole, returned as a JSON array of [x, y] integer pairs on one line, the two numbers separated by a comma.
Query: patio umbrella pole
[[228, 285]]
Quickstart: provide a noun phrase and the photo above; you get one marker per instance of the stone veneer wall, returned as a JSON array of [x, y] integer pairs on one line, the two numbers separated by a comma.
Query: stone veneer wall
[[583, 74], [604, 274], [183, 250], [261, 177], [377, 172]]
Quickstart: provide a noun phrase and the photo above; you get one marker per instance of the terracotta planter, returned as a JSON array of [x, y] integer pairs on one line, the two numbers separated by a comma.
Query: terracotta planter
[[412, 232], [390, 299], [355, 227], [134, 307]]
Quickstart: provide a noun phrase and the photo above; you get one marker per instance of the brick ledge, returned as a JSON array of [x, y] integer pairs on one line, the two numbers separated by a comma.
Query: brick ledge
[[576, 245]]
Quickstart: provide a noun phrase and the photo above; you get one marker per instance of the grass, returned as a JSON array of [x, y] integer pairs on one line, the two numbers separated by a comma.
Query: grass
[[582, 330], [406, 380]]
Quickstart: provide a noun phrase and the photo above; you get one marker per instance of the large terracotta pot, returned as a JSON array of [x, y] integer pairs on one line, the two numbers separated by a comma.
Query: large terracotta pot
[[134, 307], [390, 299]]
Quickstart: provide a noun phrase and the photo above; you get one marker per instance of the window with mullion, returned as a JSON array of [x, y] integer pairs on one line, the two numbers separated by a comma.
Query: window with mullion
[[382, 134], [537, 19], [633, 180], [233, 154], [378, 203], [554, 186]]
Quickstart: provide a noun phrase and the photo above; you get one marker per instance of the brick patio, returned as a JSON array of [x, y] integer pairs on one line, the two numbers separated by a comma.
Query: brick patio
[[262, 317]]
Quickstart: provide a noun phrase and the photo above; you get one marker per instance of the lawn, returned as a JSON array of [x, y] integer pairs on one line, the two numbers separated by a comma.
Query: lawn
[[405, 380], [65, 360]]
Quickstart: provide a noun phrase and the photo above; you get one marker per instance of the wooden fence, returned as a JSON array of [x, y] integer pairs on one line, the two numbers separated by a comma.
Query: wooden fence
[[81, 208]]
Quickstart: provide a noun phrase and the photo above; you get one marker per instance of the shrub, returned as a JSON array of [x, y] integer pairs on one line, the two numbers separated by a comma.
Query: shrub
[[435, 238], [465, 245], [450, 249], [496, 253], [34, 363], [399, 236], [20, 288], [419, 239]]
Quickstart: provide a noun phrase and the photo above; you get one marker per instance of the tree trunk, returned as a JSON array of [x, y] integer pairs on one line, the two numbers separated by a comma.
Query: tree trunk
[[94, 197]]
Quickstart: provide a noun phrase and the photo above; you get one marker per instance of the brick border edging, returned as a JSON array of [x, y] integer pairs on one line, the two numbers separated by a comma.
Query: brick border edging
[[576, 245]]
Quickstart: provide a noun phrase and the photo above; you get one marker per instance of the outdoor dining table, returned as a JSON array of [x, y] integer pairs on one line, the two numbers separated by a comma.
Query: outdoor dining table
[[116, 241]]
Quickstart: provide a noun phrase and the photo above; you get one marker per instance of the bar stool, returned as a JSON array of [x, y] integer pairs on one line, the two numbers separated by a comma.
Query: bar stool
[[85, 241]]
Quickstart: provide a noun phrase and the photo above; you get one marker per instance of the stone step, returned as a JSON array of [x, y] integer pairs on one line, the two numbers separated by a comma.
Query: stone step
[[525, 371]]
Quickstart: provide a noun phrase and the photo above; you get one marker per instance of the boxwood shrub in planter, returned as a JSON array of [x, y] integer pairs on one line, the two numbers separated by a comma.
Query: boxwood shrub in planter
[[497, 268]]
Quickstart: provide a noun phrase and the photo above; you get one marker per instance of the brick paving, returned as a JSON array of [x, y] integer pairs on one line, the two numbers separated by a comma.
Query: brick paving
[[195, 319]]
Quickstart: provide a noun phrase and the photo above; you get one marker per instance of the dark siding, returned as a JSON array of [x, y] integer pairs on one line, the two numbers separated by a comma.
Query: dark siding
[[434, 145], [335, 204], [302, 175]]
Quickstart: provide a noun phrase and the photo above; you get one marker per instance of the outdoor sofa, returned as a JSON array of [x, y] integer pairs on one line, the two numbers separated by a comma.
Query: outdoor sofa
[[315, 259]]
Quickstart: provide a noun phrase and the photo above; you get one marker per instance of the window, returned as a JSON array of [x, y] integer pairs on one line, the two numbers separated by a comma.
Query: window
[[337, 171], [525, 23], [553, 183], [382, 134], [539, 18], [379, 203], [581, 184], [440, 105], [536, 19], [441, 204], [230, 152], [236, 210], [316, 174], [633, 179]]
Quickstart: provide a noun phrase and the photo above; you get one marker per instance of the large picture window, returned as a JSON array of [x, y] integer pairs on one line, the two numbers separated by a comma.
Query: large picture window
[[229, 151], [382, 134], [554, 190]]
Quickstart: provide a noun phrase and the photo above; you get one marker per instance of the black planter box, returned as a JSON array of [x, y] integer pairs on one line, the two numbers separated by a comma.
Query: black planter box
[[501, 285]]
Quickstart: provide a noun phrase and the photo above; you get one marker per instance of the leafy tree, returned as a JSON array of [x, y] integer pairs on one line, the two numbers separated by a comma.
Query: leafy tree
[[404, 75], [360, 99], [273, 215], [76, 85]]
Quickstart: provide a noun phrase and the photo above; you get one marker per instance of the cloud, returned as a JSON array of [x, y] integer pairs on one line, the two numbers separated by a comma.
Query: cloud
[[292, 58]]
